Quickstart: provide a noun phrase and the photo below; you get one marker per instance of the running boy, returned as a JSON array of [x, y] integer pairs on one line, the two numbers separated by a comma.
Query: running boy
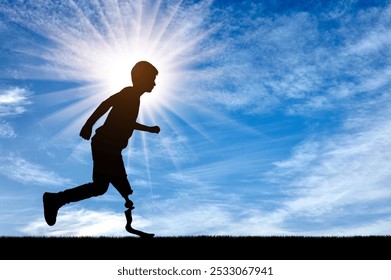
[[107, 144]]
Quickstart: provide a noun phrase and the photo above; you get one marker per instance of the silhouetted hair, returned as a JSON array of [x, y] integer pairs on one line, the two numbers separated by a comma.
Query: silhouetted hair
[[142, 68]]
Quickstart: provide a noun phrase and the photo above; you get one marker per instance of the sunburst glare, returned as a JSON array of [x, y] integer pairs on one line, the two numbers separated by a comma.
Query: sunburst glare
[[97, 44]]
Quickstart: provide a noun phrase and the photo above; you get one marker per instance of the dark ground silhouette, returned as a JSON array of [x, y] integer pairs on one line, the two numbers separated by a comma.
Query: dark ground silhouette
[[197, 248]]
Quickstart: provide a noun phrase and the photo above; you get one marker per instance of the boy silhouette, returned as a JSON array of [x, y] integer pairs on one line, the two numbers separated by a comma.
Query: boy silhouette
[[107, 144]]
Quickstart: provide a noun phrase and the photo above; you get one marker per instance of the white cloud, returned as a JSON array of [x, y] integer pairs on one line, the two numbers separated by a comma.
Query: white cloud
[[174, 220], [344, 175], [6, 130], [13, 101], [373, 35], [23, 171], [76, 221], [377, 227], [292, 63], [202, 219]]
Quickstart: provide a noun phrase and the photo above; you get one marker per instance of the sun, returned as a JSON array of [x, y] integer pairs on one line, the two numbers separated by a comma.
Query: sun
[[106, 44], [112, 72]]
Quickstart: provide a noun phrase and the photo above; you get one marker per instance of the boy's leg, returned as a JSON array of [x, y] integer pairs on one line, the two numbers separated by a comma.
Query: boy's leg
[[52, 202], [122, 185], [114, 164]]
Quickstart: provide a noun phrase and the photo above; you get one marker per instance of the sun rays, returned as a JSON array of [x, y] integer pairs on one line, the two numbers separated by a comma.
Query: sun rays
[[95, 45]]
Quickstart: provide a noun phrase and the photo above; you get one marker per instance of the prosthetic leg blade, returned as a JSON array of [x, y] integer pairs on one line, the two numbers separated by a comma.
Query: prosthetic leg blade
[[130, 229]]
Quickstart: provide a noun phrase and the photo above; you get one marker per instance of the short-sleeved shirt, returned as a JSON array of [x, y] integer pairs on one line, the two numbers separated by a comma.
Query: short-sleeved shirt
[[119, 124]]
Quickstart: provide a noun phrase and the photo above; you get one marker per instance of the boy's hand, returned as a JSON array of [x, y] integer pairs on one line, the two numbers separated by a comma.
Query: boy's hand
[[85, 132], [155, 129]]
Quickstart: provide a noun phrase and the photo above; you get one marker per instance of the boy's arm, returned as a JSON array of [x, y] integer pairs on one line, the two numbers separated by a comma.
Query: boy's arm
[[142, 127], [86, 130]]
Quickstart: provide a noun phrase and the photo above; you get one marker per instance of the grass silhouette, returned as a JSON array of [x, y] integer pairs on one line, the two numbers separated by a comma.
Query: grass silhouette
[[201, 247]]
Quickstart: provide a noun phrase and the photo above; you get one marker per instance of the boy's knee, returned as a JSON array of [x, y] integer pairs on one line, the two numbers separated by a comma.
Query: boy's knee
[[129, 204], [101, 189]]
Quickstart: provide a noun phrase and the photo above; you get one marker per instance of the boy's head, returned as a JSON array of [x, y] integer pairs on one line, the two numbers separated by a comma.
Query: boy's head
[[143, 76]]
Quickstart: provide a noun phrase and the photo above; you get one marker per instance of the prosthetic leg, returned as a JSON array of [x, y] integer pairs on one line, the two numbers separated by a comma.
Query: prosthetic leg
[[130, 229]]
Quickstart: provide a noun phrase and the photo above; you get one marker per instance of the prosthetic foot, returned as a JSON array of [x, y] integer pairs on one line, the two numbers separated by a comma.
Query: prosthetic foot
[[130, 229]]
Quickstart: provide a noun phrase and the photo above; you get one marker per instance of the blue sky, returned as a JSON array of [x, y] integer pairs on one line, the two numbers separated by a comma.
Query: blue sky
[[274, 115]]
